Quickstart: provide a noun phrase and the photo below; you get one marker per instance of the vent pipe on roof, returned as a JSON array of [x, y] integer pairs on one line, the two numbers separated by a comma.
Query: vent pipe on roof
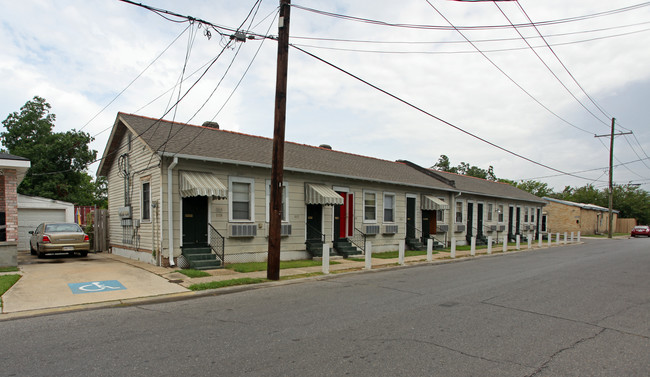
[[325, 146], [210, 124]]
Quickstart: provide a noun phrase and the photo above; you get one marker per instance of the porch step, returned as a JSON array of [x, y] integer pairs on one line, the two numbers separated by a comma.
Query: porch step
[[201, 258], [415, 244], [315, 249], [345, 248]]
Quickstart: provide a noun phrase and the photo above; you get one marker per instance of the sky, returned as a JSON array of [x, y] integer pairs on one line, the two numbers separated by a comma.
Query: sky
[[93, 59]]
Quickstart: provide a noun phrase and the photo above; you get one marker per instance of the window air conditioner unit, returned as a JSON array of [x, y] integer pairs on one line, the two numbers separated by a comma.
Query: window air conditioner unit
[[372, 229], [501, 228], [442, 228], [391, 229], [459, 228], [285, 230], [243, 230], [493, 228]]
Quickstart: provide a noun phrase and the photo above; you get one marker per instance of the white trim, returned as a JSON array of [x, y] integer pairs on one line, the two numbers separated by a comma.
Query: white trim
[[142, 183], [462, 206], [251, 197], [285, 195], [12, 164], [383, 205], [341, 189], [369, 221]]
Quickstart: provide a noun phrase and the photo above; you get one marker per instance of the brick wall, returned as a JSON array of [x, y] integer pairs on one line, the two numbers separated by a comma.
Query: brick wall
[[10, 199], [565, 218]]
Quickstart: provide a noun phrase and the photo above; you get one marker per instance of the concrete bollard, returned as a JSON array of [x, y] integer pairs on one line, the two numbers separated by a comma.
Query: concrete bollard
[[326, 258], [557, 239], [565, 238], [529, 239], [541, 238], [368, 255], [578, 236], [489, 248], [453, 248], [401, 252], [550, 239], [518, 241], [429, 250], [505, 243], [571, 237], [472, 251]]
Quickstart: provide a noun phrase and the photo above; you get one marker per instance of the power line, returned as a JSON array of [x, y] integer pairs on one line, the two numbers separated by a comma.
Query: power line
[[505, 74], [583, 171], [434, 116], [482, 27]]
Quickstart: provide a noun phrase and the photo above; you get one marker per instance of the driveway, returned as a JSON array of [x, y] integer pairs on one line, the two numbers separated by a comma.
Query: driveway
[[63, 281]]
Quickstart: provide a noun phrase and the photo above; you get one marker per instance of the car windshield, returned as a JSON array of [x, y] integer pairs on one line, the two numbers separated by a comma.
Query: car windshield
[[60, 228]]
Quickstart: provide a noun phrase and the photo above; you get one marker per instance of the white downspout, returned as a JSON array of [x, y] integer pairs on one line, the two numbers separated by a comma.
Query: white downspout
[[170, 207]]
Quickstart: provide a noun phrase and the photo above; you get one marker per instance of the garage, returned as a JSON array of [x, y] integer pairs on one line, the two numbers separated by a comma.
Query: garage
[[33, 210]]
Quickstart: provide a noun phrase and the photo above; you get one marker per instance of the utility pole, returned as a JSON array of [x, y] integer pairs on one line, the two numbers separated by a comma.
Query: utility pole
[[277, 162], [611, 175]]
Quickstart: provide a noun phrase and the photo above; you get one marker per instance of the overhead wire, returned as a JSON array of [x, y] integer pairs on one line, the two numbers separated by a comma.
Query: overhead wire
[[419, 109]]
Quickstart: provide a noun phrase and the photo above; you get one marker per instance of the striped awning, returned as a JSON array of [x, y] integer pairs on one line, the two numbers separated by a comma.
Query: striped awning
[[430, 203], [202, 184], [321, 194]]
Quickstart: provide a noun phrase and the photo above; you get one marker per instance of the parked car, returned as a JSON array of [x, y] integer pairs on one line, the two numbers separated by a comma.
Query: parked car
[[641, 230], [59, 238]]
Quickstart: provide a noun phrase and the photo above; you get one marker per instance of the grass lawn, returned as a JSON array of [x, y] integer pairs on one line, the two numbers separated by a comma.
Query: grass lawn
[[605, 235], [193, 273], [395, 254], [6, 282], [262, 266], [225, 283], [9, 269]]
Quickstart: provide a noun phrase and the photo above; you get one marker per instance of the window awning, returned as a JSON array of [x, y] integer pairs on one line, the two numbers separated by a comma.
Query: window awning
[[202, 184], [320, 194], [430, 203]]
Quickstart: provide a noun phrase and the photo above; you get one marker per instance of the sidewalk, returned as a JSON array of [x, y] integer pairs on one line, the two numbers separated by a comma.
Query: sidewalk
[[45, 286]]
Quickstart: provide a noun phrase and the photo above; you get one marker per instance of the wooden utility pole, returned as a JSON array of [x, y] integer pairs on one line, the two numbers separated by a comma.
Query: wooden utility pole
[[611, 176], [277, 167]]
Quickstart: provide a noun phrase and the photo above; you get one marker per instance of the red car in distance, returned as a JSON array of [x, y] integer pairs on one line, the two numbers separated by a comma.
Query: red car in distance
[[640, 230]]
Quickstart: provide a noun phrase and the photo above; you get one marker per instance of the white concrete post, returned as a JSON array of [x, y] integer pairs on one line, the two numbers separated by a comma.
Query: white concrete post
[[368, 255], [557, 238], [541, 238], [401, 252], [578, 236], [429, 250], [565, 238], [571, 237], [505, 243], [550, 239], [453, 247], [518, 242], [473, 246], [326, 258], [489, 249], [530, 240]]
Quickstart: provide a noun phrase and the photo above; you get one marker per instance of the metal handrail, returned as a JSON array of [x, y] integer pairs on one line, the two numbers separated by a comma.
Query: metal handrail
[[217, 244], [358, 240], [322, 235], [418, 232]]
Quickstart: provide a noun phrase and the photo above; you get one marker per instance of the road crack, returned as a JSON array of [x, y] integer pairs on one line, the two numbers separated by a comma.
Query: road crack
[[558, 352]]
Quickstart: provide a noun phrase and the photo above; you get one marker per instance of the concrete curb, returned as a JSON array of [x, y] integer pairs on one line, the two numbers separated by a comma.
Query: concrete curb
[[249, 287]]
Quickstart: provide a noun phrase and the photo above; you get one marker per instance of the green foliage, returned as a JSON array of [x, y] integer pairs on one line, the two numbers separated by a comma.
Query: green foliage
[[225, 283], [194, 273], [464, 168], [262, 266], [6, 282], [58, 159]]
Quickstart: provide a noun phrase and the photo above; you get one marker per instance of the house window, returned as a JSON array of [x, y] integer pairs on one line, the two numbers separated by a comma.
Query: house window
[[369, 206], [241, 199], [285, 201], [526, 215], [532, 215], [389, 208], [146, 201], [128, 142], [459, 212], [490, 209], [500, 213], [440, 214]]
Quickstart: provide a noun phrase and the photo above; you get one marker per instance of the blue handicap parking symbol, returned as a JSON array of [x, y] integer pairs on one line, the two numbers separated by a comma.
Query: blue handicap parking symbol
[[96, 286]]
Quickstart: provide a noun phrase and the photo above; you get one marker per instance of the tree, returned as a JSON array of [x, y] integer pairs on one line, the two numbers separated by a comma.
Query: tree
[[464, 168], [58, 159]]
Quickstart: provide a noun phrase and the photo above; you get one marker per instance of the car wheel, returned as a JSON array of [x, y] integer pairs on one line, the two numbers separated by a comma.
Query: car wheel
[[84, 253], [31, 250]]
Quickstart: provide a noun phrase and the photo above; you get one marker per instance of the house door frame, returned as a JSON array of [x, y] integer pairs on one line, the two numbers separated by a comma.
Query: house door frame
[[410, 215], [429, 223], [195, 221], [511, 215], [479, 220], [470, 220], [314, 221], [344, 215]]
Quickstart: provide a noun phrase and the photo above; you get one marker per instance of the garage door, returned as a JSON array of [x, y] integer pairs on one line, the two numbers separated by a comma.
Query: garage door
[[29, 218]]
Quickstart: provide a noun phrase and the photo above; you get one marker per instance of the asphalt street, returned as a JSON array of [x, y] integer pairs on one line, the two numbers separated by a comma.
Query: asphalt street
[[581, 310]]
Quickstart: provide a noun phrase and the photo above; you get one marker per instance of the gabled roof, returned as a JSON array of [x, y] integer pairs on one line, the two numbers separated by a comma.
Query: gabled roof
[[592, 207], [210, 144], [473, 185]]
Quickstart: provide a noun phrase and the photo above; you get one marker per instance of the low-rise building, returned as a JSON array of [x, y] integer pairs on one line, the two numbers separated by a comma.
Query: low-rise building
[[564, 216]]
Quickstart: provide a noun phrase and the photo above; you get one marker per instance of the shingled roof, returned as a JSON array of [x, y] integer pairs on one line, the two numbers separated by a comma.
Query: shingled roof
[[190, 141], [473, 185]]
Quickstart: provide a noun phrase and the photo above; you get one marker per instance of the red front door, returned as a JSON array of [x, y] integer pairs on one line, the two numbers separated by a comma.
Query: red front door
[[344, 222]]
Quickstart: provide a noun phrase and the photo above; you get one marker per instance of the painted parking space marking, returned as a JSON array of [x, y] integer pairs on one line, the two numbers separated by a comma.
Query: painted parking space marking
[[96, 286]]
